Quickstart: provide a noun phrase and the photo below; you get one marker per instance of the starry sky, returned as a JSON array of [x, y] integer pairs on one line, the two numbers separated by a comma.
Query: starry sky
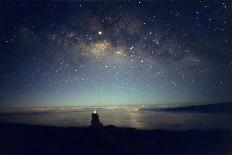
[[79, 53]]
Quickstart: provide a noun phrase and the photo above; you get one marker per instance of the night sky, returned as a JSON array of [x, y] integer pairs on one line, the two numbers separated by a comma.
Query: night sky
[[77, 53]]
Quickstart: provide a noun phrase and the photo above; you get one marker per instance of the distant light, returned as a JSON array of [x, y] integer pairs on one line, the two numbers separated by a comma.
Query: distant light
[[119, 52], [100, 32], [94, 111], [136, 109]]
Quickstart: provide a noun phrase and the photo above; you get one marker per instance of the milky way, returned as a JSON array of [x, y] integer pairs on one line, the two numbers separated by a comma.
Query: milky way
[[115, 53]]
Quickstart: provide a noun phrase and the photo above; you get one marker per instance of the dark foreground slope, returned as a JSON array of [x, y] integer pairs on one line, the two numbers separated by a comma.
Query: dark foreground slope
[[28, 139]]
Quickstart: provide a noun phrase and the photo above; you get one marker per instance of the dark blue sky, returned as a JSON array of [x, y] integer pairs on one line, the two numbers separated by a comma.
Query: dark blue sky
[[109, 53]]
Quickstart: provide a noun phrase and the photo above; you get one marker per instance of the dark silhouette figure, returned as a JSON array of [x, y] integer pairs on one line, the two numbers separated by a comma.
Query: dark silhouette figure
[[95, 122]]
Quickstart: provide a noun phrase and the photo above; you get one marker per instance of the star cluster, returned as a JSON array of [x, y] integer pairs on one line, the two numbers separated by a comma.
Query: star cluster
[[110, 53]]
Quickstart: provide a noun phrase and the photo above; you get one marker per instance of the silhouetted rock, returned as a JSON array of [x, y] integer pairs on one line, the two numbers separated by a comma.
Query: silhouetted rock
[[95, 122]]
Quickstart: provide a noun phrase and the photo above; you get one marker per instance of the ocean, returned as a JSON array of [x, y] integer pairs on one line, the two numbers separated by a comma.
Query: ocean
[[120, 116]]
